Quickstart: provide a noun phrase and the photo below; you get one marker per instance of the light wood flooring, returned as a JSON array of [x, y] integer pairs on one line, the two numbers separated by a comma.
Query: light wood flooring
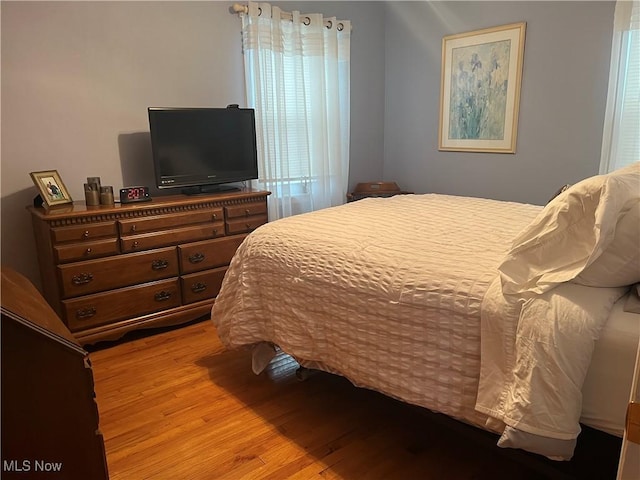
[[176, 405]]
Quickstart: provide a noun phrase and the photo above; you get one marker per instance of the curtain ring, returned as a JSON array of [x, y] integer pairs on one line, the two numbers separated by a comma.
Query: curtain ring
[[307, 21], [340, 26], [330, 24]]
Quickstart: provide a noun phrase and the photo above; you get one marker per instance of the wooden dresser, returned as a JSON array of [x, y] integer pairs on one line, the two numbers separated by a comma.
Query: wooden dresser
[[107, 270], [50, 426]]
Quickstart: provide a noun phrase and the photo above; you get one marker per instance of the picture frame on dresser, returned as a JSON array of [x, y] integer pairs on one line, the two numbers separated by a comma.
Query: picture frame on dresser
[[51, 188]]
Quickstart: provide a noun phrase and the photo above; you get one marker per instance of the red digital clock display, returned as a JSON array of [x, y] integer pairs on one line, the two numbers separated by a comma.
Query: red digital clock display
[[134, 194]]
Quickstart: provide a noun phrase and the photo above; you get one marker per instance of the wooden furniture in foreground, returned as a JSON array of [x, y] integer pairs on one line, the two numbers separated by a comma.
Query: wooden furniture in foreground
[[375, 189], [107, 270], [49, 415], [629, 467]]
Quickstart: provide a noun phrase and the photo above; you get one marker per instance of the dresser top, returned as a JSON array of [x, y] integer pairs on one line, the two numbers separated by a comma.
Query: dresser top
[[154, 206]]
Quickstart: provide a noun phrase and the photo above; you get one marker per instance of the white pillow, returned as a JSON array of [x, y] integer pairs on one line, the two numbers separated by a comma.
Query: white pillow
[[571, 232], [619, 264]]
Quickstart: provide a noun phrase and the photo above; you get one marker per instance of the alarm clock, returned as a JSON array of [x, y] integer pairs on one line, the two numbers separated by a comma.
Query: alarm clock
[[134, 194]]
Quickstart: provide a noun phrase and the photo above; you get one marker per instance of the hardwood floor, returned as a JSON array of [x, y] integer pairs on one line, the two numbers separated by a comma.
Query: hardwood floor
[[176, 405]]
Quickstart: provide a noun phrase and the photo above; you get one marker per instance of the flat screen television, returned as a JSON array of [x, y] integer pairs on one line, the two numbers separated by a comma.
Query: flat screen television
[[202, 150]]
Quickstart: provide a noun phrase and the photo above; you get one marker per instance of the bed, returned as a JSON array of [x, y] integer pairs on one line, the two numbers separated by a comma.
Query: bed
[[470, 307]]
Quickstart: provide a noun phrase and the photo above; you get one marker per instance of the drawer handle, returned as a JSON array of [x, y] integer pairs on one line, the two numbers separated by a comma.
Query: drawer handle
[[82, 279], [196, 257], [85, 313], [87, 251], [86, 234], [133, 228], [162, 296], [215, 232], [159, 264], [214, 216], [249, 227], [135, 244], [247, 212], [198, 287]]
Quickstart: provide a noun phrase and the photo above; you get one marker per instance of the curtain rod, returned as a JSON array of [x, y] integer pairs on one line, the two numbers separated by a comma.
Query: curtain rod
[[239, 8]]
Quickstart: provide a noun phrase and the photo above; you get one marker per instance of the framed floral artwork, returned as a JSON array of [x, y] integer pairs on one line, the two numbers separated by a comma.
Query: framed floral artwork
[[480, 89]]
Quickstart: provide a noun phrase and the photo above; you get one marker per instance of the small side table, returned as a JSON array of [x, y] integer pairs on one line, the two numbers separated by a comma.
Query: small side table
[[375, 189]]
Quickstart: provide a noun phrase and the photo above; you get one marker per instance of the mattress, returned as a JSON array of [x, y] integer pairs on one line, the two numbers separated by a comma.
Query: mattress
[[607, 386]]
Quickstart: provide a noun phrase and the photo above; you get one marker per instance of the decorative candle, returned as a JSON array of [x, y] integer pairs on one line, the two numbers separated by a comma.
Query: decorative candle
[[106, 195], [91, 194]]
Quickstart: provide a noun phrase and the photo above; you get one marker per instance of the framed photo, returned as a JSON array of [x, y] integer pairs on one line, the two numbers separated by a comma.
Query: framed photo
[[52, 190], [480, 89]]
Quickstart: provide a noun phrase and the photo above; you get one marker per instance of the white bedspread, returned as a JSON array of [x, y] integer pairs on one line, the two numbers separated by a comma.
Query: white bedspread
[[387, 297], [389, 293]]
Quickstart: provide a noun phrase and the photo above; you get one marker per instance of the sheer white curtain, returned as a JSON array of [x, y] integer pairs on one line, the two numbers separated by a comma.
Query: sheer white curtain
[[297, 79], [621, 135]]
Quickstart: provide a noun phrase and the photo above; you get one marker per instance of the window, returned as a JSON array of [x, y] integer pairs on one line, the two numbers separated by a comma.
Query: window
[[298, 78], [621, 136]]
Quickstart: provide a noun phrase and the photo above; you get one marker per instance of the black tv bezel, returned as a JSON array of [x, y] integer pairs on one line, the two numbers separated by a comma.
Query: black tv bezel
[[204, 185]]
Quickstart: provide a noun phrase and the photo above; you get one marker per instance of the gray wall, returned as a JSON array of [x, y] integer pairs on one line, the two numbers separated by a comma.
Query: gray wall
[[564, 90], [77, 78]]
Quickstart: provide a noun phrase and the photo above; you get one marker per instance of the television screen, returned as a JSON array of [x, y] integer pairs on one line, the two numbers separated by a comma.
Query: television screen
[[202, 148]]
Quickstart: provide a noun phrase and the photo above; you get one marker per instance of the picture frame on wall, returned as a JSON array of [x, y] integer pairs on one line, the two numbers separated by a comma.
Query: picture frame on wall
[[51, 188], [480, 89]]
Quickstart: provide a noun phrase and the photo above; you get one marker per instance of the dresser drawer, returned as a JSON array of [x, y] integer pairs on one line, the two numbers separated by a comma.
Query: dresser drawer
[[208, 254], [246, 210], [102, 308], [202, 285], [84, 232], [93, 276], [247, 224], [134, 226], [86, 251], [146, 241]]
